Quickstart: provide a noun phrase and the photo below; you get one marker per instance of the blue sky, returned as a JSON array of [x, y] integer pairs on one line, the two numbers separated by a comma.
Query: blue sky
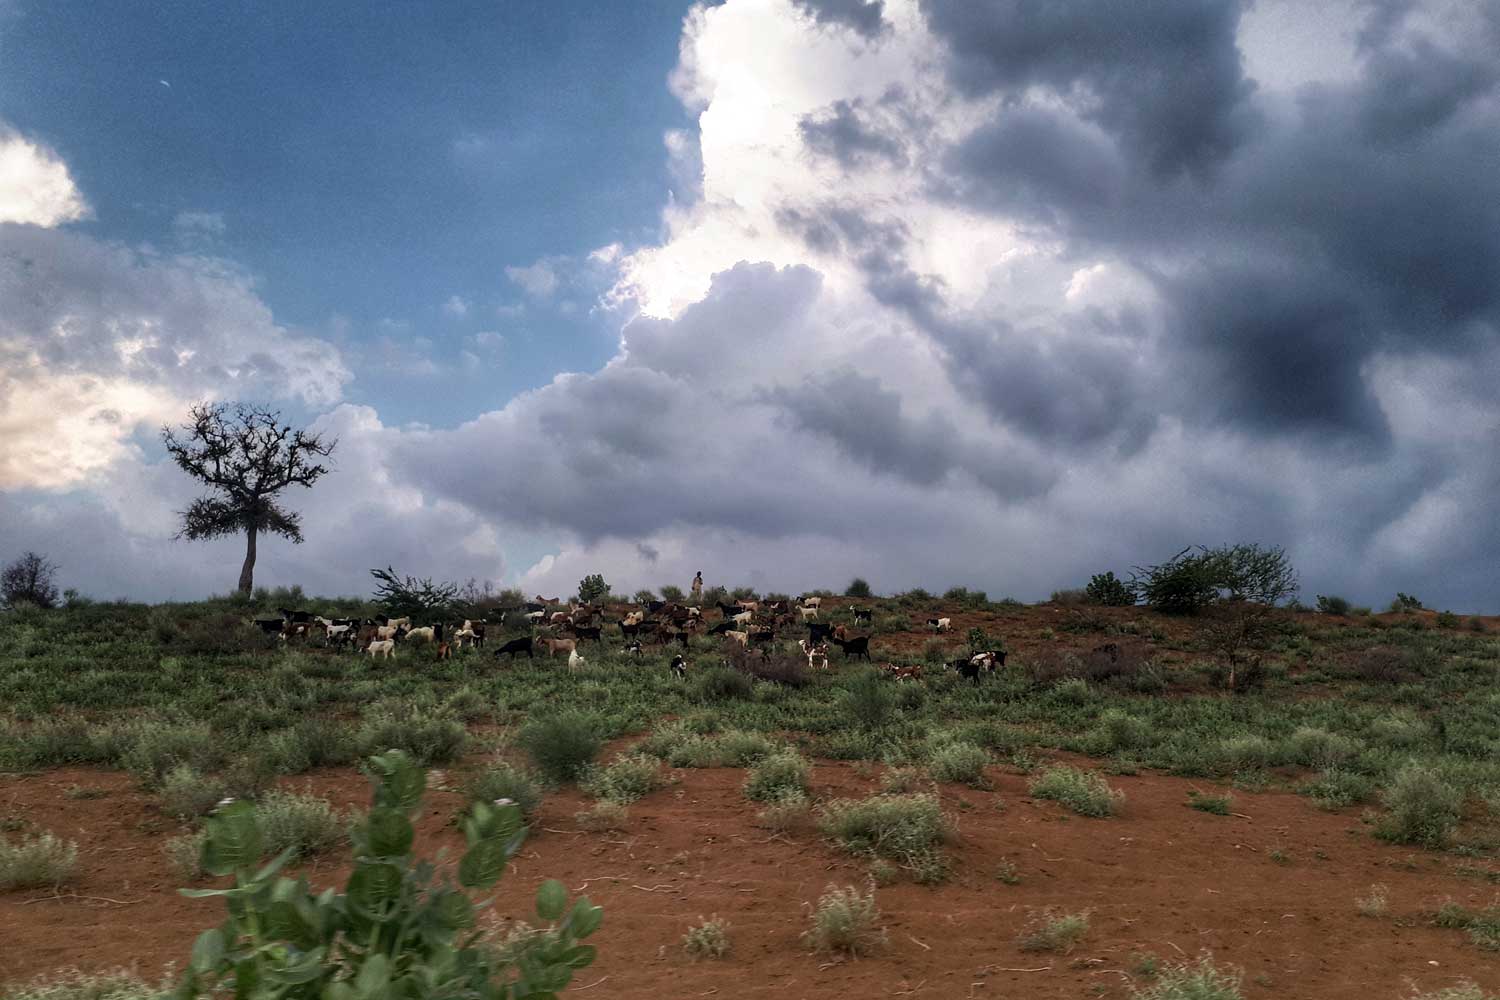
[[932, 292], [369, 161]]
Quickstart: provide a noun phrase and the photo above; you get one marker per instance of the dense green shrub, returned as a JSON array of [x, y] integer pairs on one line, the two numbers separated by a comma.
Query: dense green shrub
[[1104, 589], [562, 745], [904, 828], [623, 780], [592, 589], [773, 777], [857, 588], [846, 920], [722, 684], [37, 862], [506, 781], [303, 825], [1424, 809], [427, 735], [1084, 792], [955, 760]]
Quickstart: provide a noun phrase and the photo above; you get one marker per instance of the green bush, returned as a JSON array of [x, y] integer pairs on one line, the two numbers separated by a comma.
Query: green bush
[[1084, 792], [959, 762], [305, 825], [185, 855], [1104, 589], [1336, 788], [858, 588], [1423, 809], [279, 932], [310, 744], [773, 777], [625, 779], [1405, 603], [427, 736], [1218, 805], [846, 920], [592, 589], [1119, 731], [1054, 931], [869, 700], [1313, 747], [907, 829], [506, 781], [37, 862], [186, 794], [153, 747], [789, 809], [722, 684], [1332, 605], [738, 748], [1200, 980], [563, 745], [1241, 753], [707, 938]]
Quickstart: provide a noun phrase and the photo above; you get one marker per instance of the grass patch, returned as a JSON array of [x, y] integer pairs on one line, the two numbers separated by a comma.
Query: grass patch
[[959, 762], [186, 794], [773, 777], [1054, 932], [1215, 804], [1200, 980], [708, 938], [624, 780], [562, 746], [907, 829], [604, 815], [307, 824], [1084, 792], [185, 856], [75, 985], [506, 781], [847, 921], [1374, 903], [786, 812], [1336, 788], [427, 736], [36, 862], [1423, 809]]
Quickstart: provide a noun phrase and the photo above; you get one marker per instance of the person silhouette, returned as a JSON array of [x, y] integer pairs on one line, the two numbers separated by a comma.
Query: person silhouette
[[697, 587]]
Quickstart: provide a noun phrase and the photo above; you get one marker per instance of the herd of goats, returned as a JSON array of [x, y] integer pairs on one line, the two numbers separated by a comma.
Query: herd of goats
[[753, 625]]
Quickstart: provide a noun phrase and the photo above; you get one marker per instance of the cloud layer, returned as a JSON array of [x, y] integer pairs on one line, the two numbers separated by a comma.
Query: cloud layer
[[959, 293]]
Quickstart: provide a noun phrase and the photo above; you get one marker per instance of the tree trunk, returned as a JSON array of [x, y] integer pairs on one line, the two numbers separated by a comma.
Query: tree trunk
[[247, 572]]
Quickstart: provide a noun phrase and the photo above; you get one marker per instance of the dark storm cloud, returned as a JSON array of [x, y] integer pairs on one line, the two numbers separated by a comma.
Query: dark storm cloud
[[1163, 75], [862, 16], [1412, 90], [842, 131]]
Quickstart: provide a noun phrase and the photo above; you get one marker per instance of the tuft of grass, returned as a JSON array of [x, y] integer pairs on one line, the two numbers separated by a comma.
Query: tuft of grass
[[738, 748], [1216, 804], [1008, 873], [1374, 903], [773, 777], [186, 794], [1200, 980], [1054, 931], [1483, 926], [846, 920], [897, 780], [708, 938], [1336, 788], [185, 856], [1464, 990], [1313, 747], [784, 813], [506, 781], [36, 862], [907, 829], [562, 746], [76, 985], [604, 815], [723, 684], [1424, 809], [307, 824], [427, 735], [1084, 792], [959, 762], [624, 780]]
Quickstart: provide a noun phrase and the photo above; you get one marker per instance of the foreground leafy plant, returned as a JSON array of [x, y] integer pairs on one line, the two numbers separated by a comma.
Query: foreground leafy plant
[[396, 930]]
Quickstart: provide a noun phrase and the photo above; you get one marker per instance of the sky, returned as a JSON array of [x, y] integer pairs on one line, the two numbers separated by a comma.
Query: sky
[[930, 292]]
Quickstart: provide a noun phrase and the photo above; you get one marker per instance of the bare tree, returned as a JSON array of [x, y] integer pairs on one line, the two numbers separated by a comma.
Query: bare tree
[[29, 580], [246, 457]]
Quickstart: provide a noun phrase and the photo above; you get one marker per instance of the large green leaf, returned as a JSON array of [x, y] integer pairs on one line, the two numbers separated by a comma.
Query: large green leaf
[[453, 910], [390, 833], [286, 921], [585, 918], [551, 900], [233, 840], [482, 865], [374, 888], [208, 951], [399, 782]]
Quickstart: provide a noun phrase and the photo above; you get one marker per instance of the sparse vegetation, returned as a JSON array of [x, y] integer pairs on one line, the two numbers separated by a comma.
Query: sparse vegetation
[[1084, 792], [624, 780], [1423, 808], [708, 938], [36, 861], [906, 829], [774, 777], [1200, 980], [846, 920], [1054, 931], [1373, 903]]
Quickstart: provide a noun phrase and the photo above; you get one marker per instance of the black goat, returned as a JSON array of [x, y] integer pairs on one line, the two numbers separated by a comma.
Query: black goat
[[517, 646], [854, 648]]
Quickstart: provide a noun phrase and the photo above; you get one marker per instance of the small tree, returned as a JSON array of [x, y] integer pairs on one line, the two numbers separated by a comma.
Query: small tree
[[1106, 590], [403, 596], [1406, 603], [29, 580], [592, 589], [857, 588], [246, 457]]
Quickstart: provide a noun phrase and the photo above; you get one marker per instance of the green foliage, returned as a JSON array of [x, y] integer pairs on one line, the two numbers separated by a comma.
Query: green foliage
[[958, 761], [1104, 589], [723, 684], [506, 781], [1218, 805], [671, 593], [36, 862], [907, 829], [1424, 809], [1314, 747], [643, 597], [1200, 980], [1054, 932], [1084, 792], [427, 735], [562, 745], [1328, 605], [869, 700], [857, 588], [846, 920], [786, 811], [402, 597], [1337, 788], [75, 985], [708, 938], [627, 778], [186, 794], [305, 825], [592, 589], [414, 932], [28, 581], [1405, 603], [773, 777], [1446, 619], [1192, 580]]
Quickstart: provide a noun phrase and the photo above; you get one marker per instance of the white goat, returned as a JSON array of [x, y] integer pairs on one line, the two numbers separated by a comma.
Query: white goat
[[384, 648]]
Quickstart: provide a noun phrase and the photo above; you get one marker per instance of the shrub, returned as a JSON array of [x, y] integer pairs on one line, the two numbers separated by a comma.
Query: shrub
[[1201, 980], [624, 780], [738, 748], [642, 597], [75, 985], [1465, 990], [1246, 752], [773, 777], [1117, 731], [506, 781], [785, 812], [846, 920], [1405, 603], [900, 779], [1424, 809], [185, 856], [707, 938], [1313, 747], [1218, 805], [312, 743], [1084, 792], [1374, 903], [1446, 619], [1053, 931], [302, 824], [1336, 788], [857, 588], [592, 589], [36, 862], [186, 794], [563, 745], [904, 828], [1104, 589], [723, 684], [29, 580], [869, 700], [428, 737], [1332, 605], [671, 593], [603, 815], [154, 747], [1070, 598], [279, 932], [958, 761]]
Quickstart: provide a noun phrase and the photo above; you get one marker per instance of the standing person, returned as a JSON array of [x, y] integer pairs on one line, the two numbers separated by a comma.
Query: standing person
[[697, 588]]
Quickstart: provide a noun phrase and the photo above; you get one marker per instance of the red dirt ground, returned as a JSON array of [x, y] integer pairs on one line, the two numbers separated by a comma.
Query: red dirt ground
[[1158, 878]]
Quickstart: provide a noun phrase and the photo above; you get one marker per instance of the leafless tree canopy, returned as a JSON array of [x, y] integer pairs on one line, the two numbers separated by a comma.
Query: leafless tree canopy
[[29, 579]]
